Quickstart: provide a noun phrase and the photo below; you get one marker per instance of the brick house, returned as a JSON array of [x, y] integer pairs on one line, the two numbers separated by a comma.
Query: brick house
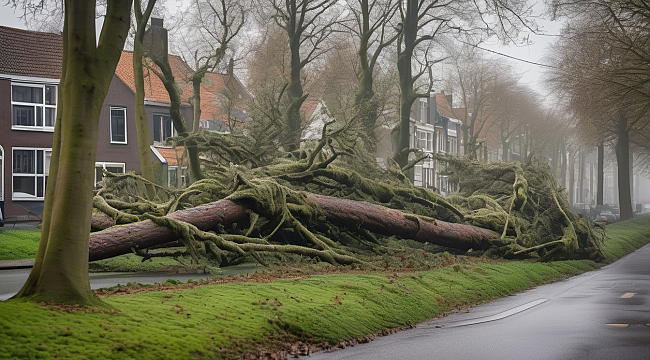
[[30, 68]]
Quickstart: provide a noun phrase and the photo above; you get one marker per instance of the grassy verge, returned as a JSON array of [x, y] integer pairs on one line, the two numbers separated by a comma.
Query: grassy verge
[[259, 315], [18, 244]]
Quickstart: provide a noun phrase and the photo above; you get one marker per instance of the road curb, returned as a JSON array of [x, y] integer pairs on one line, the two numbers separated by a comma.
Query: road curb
[[16, 264]]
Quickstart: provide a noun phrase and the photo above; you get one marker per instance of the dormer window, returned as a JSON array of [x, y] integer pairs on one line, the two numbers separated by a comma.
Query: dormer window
[[33, 106]]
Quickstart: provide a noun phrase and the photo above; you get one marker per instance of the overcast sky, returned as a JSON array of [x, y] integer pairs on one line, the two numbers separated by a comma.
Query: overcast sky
[[531, 74]]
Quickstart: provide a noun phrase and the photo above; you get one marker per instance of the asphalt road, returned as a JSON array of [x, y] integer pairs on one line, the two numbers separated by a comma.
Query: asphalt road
[[603, 314], [12, 280]]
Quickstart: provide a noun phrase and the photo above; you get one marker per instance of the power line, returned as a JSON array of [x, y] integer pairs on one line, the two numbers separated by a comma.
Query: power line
[[512, 57]]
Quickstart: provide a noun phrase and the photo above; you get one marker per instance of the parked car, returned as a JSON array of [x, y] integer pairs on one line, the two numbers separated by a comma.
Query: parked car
[[606, 216]]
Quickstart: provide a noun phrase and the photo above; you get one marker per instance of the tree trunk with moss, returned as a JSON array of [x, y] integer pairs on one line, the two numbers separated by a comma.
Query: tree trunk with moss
[[406, 45], [60, 272], [141, 123], [167, 78], [355, 215]]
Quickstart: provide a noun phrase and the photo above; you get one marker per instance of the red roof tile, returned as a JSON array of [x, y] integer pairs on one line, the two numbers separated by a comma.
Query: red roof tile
[[172, 155], [30, 53], [212, 85]]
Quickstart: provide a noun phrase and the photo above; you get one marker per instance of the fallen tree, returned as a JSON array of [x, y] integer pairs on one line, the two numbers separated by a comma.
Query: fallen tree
[[316, 205], [123, 239]]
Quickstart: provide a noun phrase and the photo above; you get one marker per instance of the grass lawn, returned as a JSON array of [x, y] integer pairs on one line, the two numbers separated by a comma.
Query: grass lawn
[[18, 244], [260, 314]]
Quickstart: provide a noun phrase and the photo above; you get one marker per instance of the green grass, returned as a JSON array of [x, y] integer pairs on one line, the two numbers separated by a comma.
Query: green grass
[[228, 320], [626, 236], [18, 244], [134, 263]]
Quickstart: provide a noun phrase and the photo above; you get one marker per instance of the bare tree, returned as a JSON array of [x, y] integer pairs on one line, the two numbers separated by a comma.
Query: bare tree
[[308, 24], [208, 36], [424, 21], [474, 80], [60, 272], [603, 71], [374, 28]]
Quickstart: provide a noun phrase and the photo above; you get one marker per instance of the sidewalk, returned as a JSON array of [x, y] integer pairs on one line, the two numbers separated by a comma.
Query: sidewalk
[[16, 264]]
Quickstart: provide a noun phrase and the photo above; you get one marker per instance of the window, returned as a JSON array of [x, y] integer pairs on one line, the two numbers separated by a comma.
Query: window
[[162, 127], [453, 145], [118, 125], [33, 107], [115, 168], [172, 176], [425, 140], [183, 177], [440, 139], [428, 177], [31, 167], [423, 110]]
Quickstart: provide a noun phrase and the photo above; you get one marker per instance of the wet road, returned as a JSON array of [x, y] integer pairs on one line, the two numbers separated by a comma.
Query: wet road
[[12, 280], [604, 314]]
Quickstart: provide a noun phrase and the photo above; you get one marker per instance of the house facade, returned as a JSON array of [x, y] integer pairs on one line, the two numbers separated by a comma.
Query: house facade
[[30, 68], [434, 130]]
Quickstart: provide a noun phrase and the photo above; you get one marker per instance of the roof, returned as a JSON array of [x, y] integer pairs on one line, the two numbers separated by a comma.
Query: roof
[[171, 155], [213, 87], [309, 106], [30, 53], [443, 106], [486, 133]]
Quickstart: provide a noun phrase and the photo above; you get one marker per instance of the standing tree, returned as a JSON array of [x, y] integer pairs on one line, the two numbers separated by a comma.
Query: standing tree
[[603, 70], [474, 80], [141, 123], [423, 21], [372, 21], [308, 24], [60, 272], [213, 26]]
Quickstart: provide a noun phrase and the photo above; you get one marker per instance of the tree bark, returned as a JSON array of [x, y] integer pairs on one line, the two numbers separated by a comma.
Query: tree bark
[[118, 240], [60, 272], [623, 161], [600, 174], [141, 123]]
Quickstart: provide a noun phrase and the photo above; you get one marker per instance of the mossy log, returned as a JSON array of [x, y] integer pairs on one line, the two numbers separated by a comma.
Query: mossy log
[[122, 239]]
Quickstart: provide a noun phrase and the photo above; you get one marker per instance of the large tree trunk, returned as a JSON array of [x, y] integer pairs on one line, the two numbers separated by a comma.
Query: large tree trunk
[[600, 174], [118, 240], [407, 94], [60, 272], [141, 123], [623, 161]]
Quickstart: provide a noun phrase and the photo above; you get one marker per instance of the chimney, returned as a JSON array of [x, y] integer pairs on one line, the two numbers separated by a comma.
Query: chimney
[[156, 22], [432, 118], [231, 67], [155, 40]]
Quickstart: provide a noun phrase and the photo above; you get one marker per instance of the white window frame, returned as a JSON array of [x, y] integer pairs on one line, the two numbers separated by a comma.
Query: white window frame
[[441, 142], [424, 106], [169, 178], [173, 130], [424, 140], [104, 165], [183, 183], [453, 145], [42, 106], [44, 175], [126, 132]]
